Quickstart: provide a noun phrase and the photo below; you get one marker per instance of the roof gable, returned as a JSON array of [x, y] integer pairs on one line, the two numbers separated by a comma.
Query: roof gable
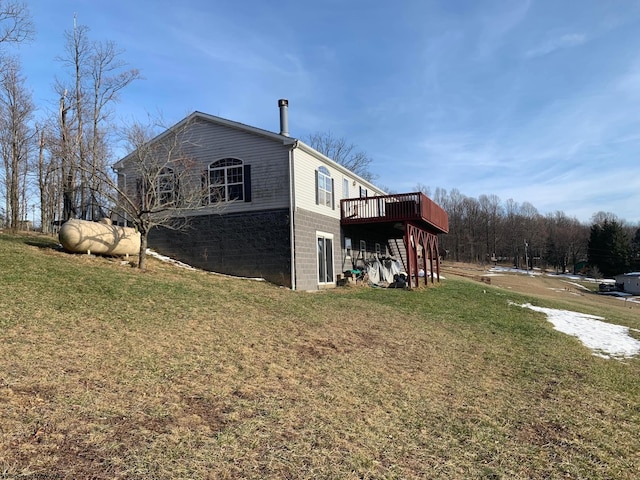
[[285, 140], [276, 137], [195, 116]]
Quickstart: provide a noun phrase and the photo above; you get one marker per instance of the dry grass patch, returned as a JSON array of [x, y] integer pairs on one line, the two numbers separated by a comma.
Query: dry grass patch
[[108, 372]]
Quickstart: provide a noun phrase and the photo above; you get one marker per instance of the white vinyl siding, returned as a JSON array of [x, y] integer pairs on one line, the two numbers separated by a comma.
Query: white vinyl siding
[[305, 168]]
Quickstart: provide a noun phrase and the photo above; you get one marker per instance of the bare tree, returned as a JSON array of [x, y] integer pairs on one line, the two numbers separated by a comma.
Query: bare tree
[[159, 184], [15, 22], [421, 187], [566, 241], [49, 180], [599, 218], [453, 205], [16, 137], [342, 152], [491, 213], [98, 74]]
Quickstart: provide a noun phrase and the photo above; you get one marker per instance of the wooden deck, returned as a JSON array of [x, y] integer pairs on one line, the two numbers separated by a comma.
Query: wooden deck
[[404, 207]]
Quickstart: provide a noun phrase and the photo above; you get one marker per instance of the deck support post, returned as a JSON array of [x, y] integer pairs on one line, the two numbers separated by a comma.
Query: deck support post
[[418, 240]]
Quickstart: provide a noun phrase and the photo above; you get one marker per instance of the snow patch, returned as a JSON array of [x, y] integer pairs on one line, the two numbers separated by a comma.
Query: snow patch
[[604, 339], [582, 287], [165, 259], [180, 264]]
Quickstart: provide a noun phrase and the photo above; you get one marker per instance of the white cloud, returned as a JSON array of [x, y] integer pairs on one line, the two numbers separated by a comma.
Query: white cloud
[[565, 41]]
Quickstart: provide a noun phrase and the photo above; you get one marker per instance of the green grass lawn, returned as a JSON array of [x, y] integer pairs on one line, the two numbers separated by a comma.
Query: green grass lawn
[[108, 372]]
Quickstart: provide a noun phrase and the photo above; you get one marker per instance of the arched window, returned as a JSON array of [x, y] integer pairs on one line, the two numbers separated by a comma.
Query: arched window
[[228, 180]]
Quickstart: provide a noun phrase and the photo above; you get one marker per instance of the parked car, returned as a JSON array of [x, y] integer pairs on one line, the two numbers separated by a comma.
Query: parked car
[[607, 287]]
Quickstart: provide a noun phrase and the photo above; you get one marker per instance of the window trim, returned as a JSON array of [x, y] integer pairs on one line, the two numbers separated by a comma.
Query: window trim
[[325, 236], [325, 188], [212, 190], [166, 178]]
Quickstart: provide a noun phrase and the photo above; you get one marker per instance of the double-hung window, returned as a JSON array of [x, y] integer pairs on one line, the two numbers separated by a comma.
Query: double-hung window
[[324, 187], [166, 187], [226, 180]]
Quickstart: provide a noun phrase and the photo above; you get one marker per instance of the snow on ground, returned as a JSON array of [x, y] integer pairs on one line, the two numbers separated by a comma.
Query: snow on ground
[[178, 263], [165, 259], [497, 269], [537, 271], [582, 287], [605, 339], [627, 297]]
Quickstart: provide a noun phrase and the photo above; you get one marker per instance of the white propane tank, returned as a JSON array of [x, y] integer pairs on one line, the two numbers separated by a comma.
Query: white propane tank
[[82, 236]]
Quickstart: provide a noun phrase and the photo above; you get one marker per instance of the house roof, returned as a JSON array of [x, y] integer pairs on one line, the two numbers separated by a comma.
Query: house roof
[[630, 274], [312, 151], [220, 121], [285, 140]]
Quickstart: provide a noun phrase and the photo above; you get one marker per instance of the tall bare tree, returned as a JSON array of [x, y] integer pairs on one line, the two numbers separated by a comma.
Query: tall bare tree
[[159, 183], [15, 22], [97, 75], [49, 178], [342, 152], [491, 213], [16, 138]]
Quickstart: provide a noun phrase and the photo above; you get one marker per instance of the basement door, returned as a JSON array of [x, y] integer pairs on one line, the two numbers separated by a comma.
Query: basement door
[[325, 258]]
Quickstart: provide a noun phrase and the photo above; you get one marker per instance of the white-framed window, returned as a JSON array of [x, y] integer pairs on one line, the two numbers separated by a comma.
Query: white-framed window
[[363, 192], [226, 180], [166, 187], [160, 191], [325, 258], [324, 187], [347, 247], [363, 249], [345, 188]]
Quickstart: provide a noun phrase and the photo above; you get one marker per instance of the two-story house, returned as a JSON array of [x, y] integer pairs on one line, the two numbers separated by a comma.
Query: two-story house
[[291, 215]]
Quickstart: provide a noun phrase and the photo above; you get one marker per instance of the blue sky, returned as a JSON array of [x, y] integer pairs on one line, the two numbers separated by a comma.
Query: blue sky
[[537, 101]]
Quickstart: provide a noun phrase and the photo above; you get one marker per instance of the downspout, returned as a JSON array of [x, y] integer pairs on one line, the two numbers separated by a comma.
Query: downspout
[[292, 204]]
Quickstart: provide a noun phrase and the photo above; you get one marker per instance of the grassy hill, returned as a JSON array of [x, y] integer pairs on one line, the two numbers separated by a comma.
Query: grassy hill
[[108, 372]]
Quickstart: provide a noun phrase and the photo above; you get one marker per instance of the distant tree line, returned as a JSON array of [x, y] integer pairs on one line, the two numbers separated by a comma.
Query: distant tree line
[[487, 229]]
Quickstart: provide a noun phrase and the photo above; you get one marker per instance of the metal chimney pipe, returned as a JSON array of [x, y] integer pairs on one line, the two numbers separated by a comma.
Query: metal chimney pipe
[[283, 104]]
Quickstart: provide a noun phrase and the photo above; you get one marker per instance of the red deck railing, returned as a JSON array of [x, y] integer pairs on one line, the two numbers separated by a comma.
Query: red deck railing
[[394, 208]]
